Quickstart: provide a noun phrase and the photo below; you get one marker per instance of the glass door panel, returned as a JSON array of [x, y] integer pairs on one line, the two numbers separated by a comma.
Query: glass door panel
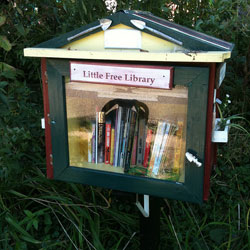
[[127, 130]]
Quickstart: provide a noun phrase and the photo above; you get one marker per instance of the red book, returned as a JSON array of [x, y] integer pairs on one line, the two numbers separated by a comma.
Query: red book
[[107, 142], [147, 147]]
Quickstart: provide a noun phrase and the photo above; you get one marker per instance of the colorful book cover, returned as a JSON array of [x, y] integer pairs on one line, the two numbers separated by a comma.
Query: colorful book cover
[[166, 164], [160, 152], [112, 146], [107, 141], [147, 147], [157, 143], [101, 137]]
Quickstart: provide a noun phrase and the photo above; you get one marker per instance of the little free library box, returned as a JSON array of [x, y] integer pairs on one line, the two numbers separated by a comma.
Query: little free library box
[[129, 105]]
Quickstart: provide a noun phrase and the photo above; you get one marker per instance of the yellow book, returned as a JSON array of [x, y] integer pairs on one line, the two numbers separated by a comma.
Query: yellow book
[[178, 148], [112, 146]]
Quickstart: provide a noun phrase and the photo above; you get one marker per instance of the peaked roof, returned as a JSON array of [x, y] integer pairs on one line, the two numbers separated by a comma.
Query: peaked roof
[[191, 40]]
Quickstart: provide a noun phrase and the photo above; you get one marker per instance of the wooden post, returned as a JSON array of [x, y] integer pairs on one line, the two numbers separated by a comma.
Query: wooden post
[[150, 226]]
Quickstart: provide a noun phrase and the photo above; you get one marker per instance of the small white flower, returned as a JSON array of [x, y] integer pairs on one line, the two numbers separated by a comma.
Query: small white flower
[[227, 95], [229, 101]]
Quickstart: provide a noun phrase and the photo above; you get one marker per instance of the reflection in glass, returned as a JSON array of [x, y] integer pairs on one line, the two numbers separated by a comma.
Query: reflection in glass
[[127, 130]]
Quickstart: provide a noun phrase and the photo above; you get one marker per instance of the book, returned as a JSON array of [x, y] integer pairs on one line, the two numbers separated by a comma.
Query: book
[[135, 142], [122, 129], [117, 135], [178, 163], [96, 139], [101, 137], [157, 144], [107, 141], [141, 138], [112, 143], [93, 143], [160, 152], [166, 165], [125, 137], [132, 125], [147, 147], [90, 146]]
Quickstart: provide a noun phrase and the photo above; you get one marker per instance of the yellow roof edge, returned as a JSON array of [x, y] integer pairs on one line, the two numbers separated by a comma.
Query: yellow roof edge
[[208, 57]]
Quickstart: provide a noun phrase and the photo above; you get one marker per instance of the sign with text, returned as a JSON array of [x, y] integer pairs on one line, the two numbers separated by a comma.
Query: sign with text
[[121, 74]]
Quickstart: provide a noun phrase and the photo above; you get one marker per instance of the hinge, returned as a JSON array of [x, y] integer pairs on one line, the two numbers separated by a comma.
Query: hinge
[[46, 77], [51, 159], [48, 117]]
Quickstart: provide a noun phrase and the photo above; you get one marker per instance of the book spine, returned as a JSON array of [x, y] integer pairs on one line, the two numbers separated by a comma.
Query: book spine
[[107, 142], [112, 144], [117, 139], [162, 147], [125, 137], [135, 142], [130, 140], [96, 139], [157, 143], [101, 136], [93, 141], [116, 124], [141, 137], [89, 147], [168, 153], [147, 147]]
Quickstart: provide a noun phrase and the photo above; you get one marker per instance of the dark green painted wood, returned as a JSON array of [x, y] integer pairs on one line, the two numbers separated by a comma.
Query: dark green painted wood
[[195, 78], [196, 130], [189, 42], [58, 121]]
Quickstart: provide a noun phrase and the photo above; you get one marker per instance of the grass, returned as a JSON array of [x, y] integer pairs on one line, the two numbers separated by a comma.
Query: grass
[[46, 214], [37, 213]]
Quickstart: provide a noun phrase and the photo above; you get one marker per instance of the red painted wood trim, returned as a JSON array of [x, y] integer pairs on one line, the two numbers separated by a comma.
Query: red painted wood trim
[[208, 146], [49, 160]]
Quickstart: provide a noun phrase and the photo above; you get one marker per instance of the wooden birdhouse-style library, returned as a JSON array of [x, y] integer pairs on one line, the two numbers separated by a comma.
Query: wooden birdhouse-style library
[[129, 104]]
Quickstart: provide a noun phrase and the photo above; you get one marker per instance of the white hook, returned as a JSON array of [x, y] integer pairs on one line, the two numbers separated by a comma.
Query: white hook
[[192, 158], [144, 210]]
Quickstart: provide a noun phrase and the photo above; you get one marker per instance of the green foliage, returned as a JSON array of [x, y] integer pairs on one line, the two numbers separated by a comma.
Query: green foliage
[[36, 213]]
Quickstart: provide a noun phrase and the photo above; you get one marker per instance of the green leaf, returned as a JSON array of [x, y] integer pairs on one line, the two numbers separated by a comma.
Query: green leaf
[[47, 219], [18, 228], [35, 224], [4, 99], [3, 84], [2, 20], [17, 194], [29, 213], [21, 29], [6, 67], [31, 240], [4, 43]]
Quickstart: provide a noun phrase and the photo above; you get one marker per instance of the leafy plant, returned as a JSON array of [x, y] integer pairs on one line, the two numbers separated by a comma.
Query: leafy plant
[[36, 213], [228, 120]]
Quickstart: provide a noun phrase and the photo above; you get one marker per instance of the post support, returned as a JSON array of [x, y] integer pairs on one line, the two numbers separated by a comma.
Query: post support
[[150, 226]]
